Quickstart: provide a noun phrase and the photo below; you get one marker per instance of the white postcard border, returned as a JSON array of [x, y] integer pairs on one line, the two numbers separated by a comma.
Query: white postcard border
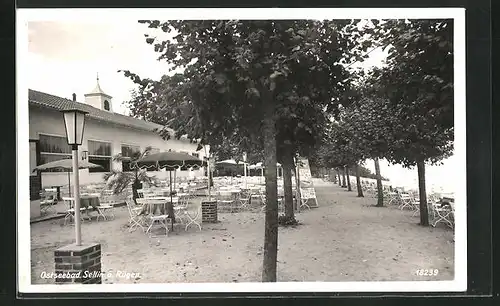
[[97, 15]]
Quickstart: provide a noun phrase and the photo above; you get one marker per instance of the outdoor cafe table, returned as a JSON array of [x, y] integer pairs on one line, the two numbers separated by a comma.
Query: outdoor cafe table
[[165, 193], [156, 206]]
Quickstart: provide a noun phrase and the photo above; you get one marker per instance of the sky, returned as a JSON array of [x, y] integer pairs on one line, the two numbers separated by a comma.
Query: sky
[[65, 57]]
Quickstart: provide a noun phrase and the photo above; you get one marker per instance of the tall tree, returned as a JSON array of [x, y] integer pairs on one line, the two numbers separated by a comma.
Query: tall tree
[[380, 190], [252, 76], [418, 85], [348, 178], [358, 181]]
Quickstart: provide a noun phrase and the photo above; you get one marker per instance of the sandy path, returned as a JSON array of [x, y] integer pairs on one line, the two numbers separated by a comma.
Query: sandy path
[[342, 240]]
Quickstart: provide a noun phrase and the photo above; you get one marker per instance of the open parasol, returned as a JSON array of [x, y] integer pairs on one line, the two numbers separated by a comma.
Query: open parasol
[[65, 164], [169, 161]]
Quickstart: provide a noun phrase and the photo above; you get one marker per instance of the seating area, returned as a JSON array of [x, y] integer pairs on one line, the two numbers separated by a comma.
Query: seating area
[[140, 237], [151, 211], [441, 206]]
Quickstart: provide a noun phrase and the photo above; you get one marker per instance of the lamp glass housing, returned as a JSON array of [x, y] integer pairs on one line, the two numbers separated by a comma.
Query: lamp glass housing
[[74, 122]]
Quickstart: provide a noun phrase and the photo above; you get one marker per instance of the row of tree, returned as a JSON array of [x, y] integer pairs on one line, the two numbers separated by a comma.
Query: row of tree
[[403, 111], [279, 89]]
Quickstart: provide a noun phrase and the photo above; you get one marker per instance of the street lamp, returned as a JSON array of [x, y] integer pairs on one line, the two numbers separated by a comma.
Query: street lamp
[[74, 122]]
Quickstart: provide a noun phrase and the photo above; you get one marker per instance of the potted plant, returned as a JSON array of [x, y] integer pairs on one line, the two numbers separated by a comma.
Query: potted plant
[[134, 177]]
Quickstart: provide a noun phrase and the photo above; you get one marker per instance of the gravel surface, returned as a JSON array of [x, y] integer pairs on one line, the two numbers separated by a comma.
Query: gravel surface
[[345, 239]]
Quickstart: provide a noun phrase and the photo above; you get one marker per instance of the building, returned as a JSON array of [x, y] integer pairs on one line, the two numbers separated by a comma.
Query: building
[[106, 134]]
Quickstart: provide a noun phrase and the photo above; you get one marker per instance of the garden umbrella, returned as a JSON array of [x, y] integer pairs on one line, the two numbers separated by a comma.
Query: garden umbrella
[[169, 161], [227, 162], [66, 164]]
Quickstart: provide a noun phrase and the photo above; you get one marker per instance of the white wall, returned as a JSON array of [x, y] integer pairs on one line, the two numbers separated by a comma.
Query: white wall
[[43, 121]]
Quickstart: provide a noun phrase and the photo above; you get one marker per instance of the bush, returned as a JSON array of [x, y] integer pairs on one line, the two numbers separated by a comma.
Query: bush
[[285, 221]]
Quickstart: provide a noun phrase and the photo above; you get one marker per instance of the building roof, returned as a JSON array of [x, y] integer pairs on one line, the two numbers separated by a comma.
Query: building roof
[[45, 100]]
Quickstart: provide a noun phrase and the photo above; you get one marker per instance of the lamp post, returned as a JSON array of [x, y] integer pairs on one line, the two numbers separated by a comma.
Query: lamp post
[[245, 169], [74, 122]]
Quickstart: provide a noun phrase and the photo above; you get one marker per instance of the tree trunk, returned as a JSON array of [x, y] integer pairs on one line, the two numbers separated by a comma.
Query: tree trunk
[[358, 183], [424, 213], [339, 179], [136, 186], [348, 179], [380, 193], [170, 206], [287, 186], [271, 219], [298, 194], [343, 178]]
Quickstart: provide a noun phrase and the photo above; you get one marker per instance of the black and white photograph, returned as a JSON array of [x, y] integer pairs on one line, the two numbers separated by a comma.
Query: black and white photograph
[[241, 150]]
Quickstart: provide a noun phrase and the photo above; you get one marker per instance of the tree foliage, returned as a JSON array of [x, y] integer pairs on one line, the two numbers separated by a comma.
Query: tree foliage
[[415, 89], [273, 82], [413, 95]]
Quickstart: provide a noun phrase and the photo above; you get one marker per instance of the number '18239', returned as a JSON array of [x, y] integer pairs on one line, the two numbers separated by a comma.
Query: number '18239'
[[427, 272]]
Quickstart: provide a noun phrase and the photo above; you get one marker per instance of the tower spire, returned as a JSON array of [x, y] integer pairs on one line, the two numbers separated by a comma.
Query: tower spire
[[98, 77]]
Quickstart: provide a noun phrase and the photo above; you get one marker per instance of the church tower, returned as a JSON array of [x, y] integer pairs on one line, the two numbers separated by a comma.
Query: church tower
[[98, 99]]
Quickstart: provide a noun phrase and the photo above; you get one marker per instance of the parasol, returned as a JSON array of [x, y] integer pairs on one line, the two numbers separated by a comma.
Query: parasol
[[169, 161], [65, 164]]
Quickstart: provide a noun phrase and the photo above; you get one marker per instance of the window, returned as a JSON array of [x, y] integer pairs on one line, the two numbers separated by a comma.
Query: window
[[128, 152], [106, 105], [33, 158], [100, 154], [197, 155], [54, 148]]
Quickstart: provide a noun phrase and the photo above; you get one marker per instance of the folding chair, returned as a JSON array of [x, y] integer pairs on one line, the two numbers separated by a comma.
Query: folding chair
[[392, 197], [157, 220], [415, 205], [225, 199], [244, 199], [192, 218], [405, 201], [307, 194], [185, 197], [441, 215], [48, 200], [255, 193], [70, 213], [179, 207], [136, 219]]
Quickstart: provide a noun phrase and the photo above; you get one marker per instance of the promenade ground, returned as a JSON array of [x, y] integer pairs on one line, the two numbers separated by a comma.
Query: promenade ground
[[345, 239]]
